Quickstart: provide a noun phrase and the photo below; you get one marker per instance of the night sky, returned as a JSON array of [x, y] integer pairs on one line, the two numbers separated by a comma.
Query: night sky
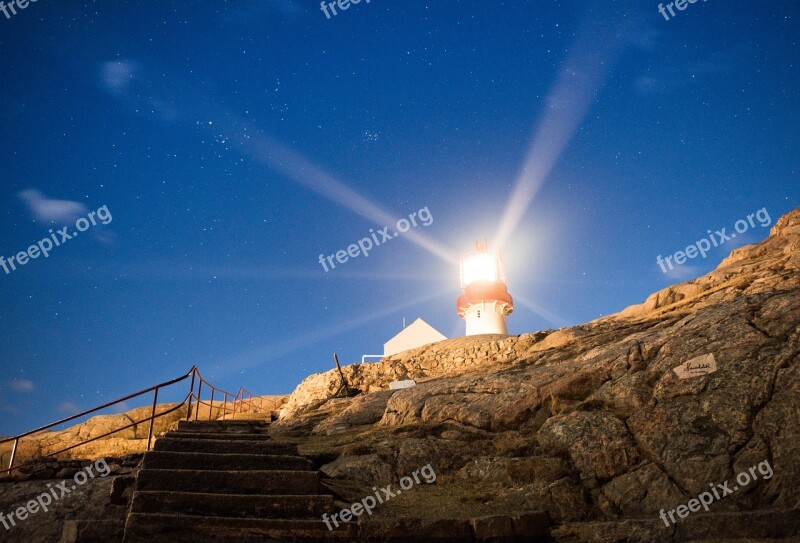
[[233, 143]]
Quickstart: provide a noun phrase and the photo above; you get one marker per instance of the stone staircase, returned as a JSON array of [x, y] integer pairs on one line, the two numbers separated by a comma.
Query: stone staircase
[[227, 481]]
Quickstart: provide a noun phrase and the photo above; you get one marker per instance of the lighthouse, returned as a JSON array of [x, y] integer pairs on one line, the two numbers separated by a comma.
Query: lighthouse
[[484, 301]]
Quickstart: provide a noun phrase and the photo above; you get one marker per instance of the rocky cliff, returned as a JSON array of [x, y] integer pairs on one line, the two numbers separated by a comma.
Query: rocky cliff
[[601, 425]]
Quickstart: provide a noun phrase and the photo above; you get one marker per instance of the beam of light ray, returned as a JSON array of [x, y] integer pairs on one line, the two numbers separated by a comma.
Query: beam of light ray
[[457, 330], [547, 315], [273, 154], [539, 281], [163, 270], [567, 103], [257, 145], [282, 348]]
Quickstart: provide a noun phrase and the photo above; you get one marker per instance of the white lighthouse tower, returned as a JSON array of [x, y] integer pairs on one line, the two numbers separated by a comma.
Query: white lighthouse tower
[[484, 301]]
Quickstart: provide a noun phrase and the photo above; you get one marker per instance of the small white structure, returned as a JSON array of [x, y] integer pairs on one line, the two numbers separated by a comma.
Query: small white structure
[[416, 334], [400, 385]]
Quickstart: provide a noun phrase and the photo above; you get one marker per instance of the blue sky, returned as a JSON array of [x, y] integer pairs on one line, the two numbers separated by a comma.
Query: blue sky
[[232, 143]]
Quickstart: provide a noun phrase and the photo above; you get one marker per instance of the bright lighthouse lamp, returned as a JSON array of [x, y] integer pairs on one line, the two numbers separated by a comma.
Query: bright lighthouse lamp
[[484, 301], [480, 267]]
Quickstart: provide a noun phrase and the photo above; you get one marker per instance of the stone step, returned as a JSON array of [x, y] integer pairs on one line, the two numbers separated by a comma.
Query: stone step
[[165, 528], [230, 482], [224, 426], [92, 531], [234, 505], [157, 528], [185, 434], [223, 462], [498, 529], [253, 416], [232, 445], [528, 528]]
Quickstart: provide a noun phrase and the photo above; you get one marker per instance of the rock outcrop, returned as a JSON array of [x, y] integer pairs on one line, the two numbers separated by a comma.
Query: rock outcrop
[[591, 423]]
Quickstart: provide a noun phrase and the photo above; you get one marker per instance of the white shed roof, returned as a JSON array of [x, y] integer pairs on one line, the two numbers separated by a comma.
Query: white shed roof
[[416, 334]]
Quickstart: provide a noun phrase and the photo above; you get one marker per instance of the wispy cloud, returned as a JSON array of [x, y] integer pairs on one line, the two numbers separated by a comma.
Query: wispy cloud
[[646, 84], [638, 30], [122, 407], [258, 11], [22, 385], [128, 80], [706, 67], [50, 209], [117, 75], [68, 408], [667, 78]]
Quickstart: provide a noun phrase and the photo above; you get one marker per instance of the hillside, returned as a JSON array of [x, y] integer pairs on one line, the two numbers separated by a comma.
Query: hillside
[[591, 423]]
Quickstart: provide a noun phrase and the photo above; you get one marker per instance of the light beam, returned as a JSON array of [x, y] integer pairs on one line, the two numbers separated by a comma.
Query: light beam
[[566, 105]]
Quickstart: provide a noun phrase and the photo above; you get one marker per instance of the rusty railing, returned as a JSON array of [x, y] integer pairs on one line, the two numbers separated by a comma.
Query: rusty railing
[[238, 402]]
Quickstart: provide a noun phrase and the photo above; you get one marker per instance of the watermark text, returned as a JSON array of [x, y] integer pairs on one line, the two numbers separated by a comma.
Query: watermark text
[[62, 235], [720, 491], [703, 246], [365, 245], [382, 495], [54, 493]]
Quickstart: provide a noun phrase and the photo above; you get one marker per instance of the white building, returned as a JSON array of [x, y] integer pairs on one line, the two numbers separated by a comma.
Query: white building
[[416, 334]]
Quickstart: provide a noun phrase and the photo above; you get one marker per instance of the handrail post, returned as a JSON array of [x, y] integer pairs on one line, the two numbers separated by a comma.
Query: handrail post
[[211, 408], [152, 419], [199, 403], [224, 405], [13, 454], [191, 393]]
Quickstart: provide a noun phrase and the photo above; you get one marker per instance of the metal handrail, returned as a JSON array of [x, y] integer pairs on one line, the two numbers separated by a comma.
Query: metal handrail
[[365, 356], [104, 406], [237, 399], [194, 373]]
